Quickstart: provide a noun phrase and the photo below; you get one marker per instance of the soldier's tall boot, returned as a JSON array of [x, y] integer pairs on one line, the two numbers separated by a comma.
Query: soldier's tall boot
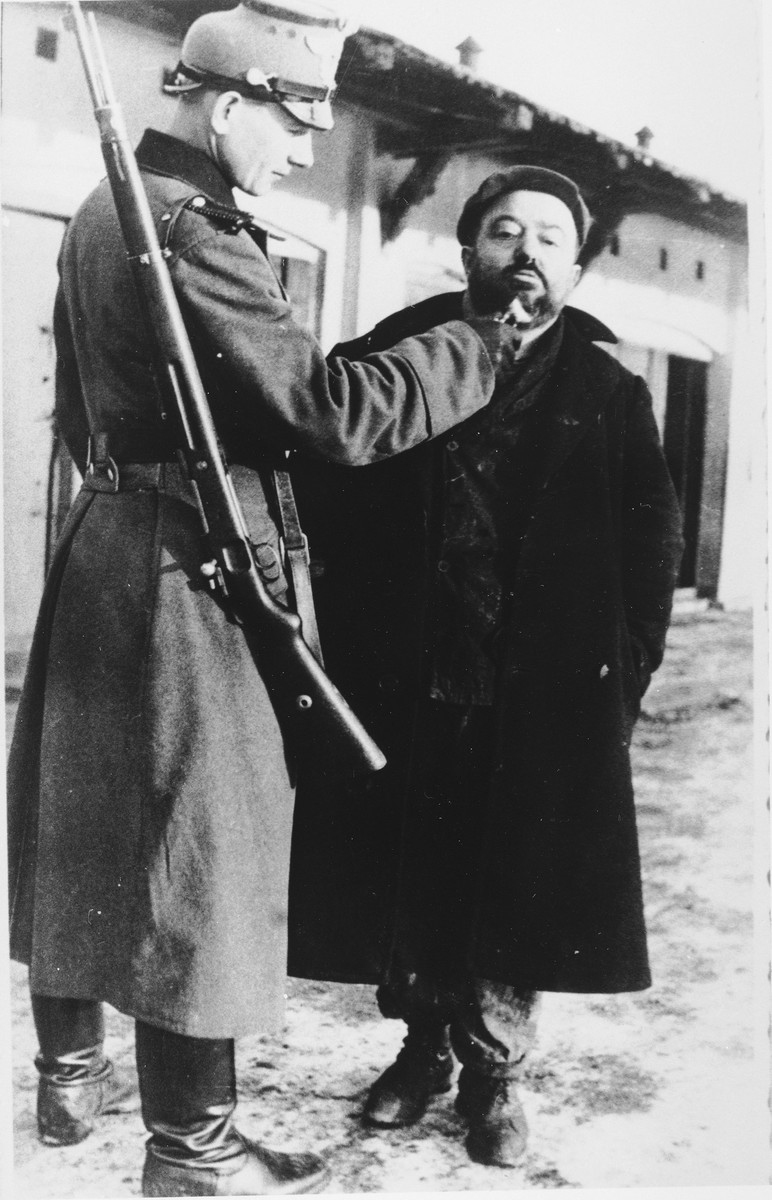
[[77, 1083], [422, 1069], [188, 1089]]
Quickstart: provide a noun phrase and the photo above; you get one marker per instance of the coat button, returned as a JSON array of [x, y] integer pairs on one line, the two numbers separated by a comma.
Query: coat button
[[443, 565], [452, 445]]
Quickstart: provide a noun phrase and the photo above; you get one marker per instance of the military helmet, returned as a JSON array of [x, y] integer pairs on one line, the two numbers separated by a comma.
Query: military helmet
[[282, 51]]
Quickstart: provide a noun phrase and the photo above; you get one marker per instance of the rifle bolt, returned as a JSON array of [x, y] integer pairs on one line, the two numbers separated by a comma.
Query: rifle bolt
[[304, 702], [209, 569]]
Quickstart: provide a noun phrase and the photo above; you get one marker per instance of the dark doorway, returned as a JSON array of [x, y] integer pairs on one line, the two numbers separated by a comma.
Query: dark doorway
[[684, 441]]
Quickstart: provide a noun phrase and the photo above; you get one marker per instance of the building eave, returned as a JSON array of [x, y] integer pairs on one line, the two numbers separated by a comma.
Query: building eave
[[426, 107], [426, 110]]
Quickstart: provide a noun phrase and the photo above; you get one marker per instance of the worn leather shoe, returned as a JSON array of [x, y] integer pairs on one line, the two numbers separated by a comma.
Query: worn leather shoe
[[422, 1069], [498, 1131], [254, 1171], [67, 1109]]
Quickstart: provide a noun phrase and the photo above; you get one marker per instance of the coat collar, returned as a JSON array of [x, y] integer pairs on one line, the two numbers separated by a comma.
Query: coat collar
[[449, 306], [574, 398], [583, 380], [166, 155], [587, 326]]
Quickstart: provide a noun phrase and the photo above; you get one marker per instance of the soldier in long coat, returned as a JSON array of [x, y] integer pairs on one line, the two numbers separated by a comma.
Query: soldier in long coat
[[496, 603], [151, 790]]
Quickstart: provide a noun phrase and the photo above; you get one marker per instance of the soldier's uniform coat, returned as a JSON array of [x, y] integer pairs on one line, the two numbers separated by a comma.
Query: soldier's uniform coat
[[557, 887], [150, 793]]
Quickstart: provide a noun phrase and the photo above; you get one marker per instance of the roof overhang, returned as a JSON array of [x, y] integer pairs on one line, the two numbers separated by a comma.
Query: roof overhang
[[427, 110]]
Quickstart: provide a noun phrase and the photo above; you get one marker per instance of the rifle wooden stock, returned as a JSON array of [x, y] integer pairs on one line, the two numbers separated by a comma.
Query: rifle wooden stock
[[310, 709]]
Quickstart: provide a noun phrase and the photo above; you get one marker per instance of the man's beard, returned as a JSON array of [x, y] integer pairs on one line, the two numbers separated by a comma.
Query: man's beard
[[495, 293]]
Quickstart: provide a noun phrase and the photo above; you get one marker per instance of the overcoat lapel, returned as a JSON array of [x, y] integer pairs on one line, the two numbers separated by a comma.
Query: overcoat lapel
[[572, 406]]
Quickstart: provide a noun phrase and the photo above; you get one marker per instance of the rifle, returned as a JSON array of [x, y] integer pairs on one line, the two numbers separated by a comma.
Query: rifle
[[310, 709]]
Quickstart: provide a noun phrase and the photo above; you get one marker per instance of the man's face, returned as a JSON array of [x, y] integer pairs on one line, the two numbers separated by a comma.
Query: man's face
[[256, 145], [523, 261]]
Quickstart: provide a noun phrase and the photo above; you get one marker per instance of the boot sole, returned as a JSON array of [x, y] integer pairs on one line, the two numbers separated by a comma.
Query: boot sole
[[70, 1139], [317, 1185], [377, 1123], [480, 1150], [151, 1188]]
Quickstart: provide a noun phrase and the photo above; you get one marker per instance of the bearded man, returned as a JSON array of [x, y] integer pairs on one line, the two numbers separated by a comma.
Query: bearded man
[[496, 604]]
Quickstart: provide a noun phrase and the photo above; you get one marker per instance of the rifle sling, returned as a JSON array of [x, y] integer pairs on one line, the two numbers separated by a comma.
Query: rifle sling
[[297, 558]]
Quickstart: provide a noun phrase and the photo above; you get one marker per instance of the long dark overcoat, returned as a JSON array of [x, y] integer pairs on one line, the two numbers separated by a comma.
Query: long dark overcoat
[[150, 793], [558, 889]]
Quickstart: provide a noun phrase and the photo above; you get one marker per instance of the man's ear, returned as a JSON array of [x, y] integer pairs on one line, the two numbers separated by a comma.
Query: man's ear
[[466, 257], [223, 109], [577, 274]]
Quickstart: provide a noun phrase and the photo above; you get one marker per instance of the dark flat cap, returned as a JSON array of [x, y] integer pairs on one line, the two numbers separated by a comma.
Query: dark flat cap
[[522, 179]]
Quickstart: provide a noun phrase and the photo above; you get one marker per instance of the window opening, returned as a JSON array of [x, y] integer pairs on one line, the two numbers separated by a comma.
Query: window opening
[[46, 44]]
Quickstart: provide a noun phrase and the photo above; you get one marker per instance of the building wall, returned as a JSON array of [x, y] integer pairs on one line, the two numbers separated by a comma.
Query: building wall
[[675, 290], [51, 155]]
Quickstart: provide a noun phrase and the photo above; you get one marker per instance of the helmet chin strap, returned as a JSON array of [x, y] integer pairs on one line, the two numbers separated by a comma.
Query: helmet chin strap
[[255, 86]]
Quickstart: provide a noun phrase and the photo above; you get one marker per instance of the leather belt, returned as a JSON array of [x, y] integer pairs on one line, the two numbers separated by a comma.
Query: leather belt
[[106, 475], [112, 477]]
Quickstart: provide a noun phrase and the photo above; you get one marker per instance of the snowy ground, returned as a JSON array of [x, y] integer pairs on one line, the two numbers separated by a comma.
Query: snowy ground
[[666, 1088]]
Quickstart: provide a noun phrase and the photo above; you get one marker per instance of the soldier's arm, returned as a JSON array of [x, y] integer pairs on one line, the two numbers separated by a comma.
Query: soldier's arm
[[278, 382]]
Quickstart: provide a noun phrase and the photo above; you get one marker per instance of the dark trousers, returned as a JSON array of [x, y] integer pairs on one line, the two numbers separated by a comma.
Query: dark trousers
[[187, 1085], [492, 1026], [432, 977], [71, 1035]]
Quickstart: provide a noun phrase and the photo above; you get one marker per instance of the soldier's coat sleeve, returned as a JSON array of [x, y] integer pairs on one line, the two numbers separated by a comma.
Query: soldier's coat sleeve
[[277, 380]]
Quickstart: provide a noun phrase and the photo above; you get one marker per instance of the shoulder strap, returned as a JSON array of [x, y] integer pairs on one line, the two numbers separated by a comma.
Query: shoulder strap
[[227, 218]]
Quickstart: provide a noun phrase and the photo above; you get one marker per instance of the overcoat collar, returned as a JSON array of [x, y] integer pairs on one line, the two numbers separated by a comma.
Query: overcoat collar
[[448, 306], [582, 380], [175, 159], [166, 155]]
